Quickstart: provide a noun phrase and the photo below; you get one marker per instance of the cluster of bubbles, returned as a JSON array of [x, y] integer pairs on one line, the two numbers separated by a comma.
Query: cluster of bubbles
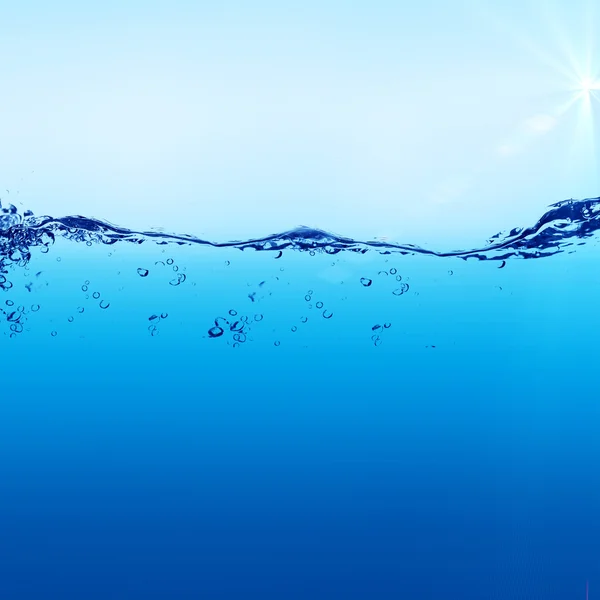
[[402, 287], [376, 332], [16, 316], [179, 277], [154, 321], [237, 327], [325, 313]]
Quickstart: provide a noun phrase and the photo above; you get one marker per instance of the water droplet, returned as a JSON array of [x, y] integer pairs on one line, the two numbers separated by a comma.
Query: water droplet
[[366, 281], [143, 272], [215, 332], [104, 304], [327, 314]]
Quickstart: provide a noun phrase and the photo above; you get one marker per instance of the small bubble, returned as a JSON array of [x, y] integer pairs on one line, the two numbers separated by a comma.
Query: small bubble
[[164, 315], [9, 303], [16, 328], [382, 273], [87, 282], [327, 314], [398, 277], [304, 319], [393, 270], [143, 272], [58, 259], [96, 295], [308, 298], [80, 309], [233, 313], [158, 262], [84, 288], [175, 268], [237, 326], [153, 318], [401, 290], [227, 263], [294, 328], [377, 342], [277, 343], [375, 327], [387, 325], [450, 272], [53, 334], [169, 261], [35, 307], [258, 317], [154, 331], [319, 305], [239, 337], [87, 244], [215, 332], [366, 281], [312, 252], [70, 319], [104, 304], [178, 280], [375, 337]]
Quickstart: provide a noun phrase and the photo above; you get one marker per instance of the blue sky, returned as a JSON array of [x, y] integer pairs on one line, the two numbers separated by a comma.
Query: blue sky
[[434, 123]]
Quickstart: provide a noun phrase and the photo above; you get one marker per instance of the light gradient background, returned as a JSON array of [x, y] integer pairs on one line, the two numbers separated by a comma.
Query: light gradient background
[[434, 122]]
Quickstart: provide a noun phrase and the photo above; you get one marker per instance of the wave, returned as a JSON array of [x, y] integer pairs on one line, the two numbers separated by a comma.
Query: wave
[[565, 223]]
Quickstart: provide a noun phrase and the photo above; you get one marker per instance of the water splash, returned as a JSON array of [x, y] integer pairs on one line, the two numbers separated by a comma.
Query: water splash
[[563, 225]]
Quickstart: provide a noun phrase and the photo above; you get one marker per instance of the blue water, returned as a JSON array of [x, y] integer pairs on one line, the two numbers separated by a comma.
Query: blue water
[[300, 416]]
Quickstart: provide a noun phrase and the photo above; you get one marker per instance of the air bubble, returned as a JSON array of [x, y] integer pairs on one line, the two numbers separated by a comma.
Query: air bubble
[[169, 261], [53, 334], [84, 288], [35, 307], [9, 303], [366, 281], [277, 343], [294, 329], [319, 305], [164, 315], [304, 319], [387, 325], [233, 313], [178, 280], [153, 318], [143, 272], [393, 270], [215, 332], [80, 309], [308, 298], [104, 304], [327, 314], [258, 317], [96, 295], [376, 328]]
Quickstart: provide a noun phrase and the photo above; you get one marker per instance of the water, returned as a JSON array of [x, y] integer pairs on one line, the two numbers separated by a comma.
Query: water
[[300, 416]]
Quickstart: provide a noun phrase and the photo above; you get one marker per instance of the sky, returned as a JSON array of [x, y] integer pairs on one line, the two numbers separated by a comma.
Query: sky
[[432, 123]]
